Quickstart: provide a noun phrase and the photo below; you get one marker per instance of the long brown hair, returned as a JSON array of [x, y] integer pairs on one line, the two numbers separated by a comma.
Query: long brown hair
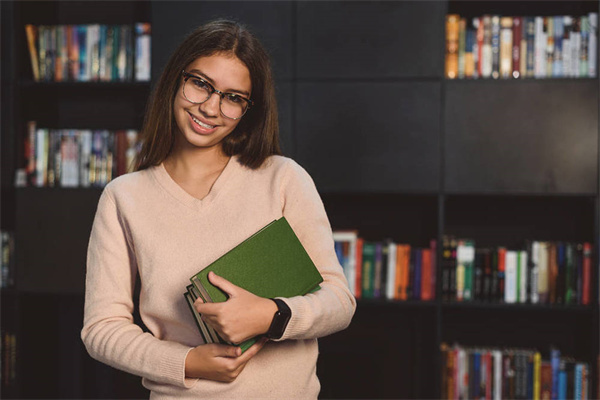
[[255, 137]]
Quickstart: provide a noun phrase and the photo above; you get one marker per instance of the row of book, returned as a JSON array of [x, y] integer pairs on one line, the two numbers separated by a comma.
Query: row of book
[[386, 270], [76, 158], [8, 358], [540, 273], [493, 46], [7, 266], [95, 52], [492, 373]]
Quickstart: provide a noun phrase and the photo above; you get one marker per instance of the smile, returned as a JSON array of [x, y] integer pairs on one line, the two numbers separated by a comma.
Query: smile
[[202, 124]]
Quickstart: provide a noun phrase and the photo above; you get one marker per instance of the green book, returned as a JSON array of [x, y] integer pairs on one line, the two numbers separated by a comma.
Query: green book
[[270, 263]]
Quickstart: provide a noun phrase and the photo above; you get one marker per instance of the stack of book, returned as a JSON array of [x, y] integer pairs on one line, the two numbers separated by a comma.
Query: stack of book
[[271, 263], [386, 270], [539, 273], [75, 157], [95, 52], [492, 373], [494, 46]]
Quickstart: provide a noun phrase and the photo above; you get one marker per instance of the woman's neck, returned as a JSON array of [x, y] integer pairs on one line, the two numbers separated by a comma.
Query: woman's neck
[[194, 163]]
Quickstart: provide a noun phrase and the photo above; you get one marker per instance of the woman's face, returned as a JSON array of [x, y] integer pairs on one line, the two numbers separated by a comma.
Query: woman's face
[[203, 125]]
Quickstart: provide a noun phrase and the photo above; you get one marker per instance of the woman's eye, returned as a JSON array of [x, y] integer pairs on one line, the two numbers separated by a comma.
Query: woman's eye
[[201, 84], [234, 98]]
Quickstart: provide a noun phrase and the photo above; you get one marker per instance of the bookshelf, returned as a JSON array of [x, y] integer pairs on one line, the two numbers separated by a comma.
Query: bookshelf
[[53, 224], [396, 151]]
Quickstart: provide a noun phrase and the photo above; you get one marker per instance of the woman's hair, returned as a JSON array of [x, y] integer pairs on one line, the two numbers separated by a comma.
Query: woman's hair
[[255, 137]]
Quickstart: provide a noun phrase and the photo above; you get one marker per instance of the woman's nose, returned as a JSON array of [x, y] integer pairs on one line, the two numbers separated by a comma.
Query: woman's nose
[[212, 106]]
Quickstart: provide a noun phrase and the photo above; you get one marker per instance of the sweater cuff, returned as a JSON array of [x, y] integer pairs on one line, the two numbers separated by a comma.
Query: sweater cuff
[[173, 366]]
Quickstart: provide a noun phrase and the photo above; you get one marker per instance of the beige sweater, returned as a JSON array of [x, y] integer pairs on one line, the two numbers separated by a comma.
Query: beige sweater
[[147, 224]]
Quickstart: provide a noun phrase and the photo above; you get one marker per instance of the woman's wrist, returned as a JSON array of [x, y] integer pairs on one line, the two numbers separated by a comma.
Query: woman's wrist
[[270, 309]]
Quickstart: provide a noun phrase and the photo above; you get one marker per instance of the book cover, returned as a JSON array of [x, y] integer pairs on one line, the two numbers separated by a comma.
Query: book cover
[[263, 257]]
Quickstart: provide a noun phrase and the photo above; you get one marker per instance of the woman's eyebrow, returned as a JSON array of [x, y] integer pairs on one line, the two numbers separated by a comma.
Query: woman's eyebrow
[[211, 81]]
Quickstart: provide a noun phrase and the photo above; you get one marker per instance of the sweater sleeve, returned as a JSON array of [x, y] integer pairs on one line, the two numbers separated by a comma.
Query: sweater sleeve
[[331, 308], [109, 332]]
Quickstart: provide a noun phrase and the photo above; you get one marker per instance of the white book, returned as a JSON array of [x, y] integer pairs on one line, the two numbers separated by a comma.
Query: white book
[[510, 279], [497, 395], [523, 278], [540, 44], [390, 287], [89, 46], [575, 53], [486, 48], [592, 43], [142, 52], [535, 260], [41, 156], [70, 160], [350, 264], [543, 272], [463, 369], [566, 46]]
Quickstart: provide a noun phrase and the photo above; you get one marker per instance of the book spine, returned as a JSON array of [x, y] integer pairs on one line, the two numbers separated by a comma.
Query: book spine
[[523, 278], [510, 288], [377, 279], [534, 260], [549, 53], [587, 271], [537, 364], [391, 271], [592, 45], [555, 363], [558, 37], [506, 47], [517, 31]]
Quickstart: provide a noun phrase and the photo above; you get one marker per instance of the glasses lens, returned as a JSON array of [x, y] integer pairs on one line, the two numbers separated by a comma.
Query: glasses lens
[[196, 91], [233, 106]]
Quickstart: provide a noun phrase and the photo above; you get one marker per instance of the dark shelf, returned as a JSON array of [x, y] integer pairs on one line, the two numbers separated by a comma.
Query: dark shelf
[[558, 308], [395, 303]]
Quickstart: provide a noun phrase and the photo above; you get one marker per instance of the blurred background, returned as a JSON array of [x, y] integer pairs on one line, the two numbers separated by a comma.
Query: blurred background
[[466, 139]]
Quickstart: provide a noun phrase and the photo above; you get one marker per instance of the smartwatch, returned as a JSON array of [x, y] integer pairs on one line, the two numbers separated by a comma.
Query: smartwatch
[[280, 320]]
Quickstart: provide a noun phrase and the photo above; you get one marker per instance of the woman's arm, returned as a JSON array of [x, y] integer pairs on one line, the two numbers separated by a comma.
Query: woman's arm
[[109, 333], [331, 308]]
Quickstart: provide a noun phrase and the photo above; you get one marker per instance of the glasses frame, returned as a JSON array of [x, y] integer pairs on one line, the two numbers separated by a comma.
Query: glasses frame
[[187, 76]]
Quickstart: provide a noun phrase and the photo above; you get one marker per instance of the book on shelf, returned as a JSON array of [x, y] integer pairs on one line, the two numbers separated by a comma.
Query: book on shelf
[[8, 346], [142, 51], [515, 373], [386, 269], [542, 272], [505, 47], [7, 259], [92, 52], [76, 157], [270, 263]]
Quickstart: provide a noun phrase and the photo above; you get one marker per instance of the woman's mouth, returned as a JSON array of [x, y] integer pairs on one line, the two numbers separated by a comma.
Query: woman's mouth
[[201, 127]]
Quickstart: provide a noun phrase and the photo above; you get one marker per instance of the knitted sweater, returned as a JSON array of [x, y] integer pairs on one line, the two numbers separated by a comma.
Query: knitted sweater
[[147, 224]]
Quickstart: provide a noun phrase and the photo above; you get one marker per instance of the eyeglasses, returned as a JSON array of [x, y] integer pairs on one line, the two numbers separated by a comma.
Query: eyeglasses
[[197, 91]]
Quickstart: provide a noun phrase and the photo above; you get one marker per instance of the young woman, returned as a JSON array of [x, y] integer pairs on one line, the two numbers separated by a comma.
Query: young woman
[[209, 175]]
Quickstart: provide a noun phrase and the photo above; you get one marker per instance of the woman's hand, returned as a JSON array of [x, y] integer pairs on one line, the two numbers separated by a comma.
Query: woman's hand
[[219, 362], [242, 316]]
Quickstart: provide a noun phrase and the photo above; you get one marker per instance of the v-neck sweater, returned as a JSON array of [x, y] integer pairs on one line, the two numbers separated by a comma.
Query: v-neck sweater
[[147, 224]]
